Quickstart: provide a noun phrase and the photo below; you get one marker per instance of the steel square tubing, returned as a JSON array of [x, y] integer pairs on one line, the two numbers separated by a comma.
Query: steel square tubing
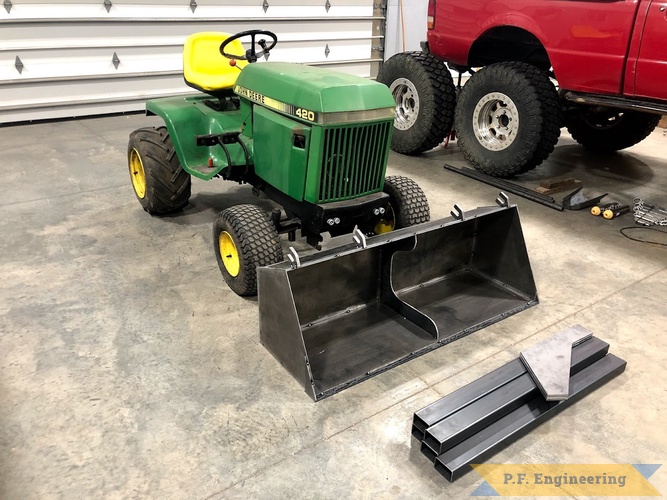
[[474, 417], [459, 399], [442, 408], [456, 461], [428, 452]]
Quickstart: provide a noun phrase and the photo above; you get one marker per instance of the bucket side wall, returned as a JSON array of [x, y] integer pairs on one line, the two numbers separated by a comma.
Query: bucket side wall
[[500, 252], [335, 284]]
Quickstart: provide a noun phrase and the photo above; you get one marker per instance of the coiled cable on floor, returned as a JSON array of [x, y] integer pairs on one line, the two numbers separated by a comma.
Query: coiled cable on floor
[[643, 228]]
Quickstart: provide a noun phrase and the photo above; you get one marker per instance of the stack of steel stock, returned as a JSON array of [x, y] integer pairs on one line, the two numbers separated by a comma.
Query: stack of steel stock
[[475, 422]]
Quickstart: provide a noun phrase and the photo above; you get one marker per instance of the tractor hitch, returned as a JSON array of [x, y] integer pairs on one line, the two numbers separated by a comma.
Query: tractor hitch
[[286, 224]]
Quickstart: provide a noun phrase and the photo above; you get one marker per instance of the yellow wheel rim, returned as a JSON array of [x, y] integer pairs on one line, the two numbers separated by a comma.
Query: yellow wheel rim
[[229, 254], [387, 223], [137, 174]]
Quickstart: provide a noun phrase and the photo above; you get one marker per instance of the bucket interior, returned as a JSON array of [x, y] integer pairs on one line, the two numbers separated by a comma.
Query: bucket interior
[[361, 312], [465, 276], [347, 331]]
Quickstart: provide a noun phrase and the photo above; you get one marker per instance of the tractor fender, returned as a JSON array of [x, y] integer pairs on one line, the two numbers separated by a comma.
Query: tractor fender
[[189, 117]]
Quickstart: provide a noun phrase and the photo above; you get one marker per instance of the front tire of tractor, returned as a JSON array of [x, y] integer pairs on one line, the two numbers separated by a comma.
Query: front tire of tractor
[[159, 182], [508, 118], [407, 206], [425, 98], [607, 129], [244, 239]]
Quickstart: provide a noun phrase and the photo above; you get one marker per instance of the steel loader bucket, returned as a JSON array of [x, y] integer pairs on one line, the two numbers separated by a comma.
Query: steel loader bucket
[[343, 315]]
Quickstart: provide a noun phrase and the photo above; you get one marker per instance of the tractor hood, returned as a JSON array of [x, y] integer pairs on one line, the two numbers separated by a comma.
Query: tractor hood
[[313, 93]]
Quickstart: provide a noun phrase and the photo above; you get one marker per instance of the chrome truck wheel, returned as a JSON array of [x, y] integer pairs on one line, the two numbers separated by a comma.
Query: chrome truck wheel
[[496, 121], [425, 98], [508, 118], [407, 103]]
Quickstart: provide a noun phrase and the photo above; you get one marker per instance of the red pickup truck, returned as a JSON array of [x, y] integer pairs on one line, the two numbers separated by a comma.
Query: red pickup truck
[[609, 58]]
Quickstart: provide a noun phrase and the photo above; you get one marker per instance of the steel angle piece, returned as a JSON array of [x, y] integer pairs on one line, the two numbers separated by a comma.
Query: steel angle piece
[[549, 361], [576, 200]]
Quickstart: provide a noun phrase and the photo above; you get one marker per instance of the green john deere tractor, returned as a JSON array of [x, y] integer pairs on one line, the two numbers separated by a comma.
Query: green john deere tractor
[[314, 141]]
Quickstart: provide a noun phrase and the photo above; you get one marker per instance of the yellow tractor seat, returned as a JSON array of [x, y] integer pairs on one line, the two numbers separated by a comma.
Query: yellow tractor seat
[[205, 68]]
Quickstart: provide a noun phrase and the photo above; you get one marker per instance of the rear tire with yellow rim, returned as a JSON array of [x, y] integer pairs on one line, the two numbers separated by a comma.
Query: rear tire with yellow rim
[[244, 238], [158, 180]]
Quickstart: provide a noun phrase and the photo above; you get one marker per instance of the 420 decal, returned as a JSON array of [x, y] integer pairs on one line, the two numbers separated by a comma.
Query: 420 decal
[[306, 114]]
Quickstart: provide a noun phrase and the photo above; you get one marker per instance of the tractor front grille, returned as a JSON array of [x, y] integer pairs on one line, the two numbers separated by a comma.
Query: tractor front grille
[[353, 161]]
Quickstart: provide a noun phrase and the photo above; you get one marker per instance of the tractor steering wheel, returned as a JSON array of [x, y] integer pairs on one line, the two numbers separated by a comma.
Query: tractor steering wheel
[[251, 55]]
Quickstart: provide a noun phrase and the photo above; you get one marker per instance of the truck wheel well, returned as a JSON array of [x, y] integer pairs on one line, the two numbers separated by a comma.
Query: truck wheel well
[[508, 43]]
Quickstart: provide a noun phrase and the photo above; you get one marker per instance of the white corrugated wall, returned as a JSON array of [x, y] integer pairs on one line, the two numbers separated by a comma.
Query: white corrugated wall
[[406, 26], [87, 57]]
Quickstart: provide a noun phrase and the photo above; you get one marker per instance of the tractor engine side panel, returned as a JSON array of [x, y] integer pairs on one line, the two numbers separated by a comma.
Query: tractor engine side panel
[[281, 151]]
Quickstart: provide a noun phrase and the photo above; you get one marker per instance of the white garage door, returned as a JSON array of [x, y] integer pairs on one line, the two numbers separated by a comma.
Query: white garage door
[[89, 57]]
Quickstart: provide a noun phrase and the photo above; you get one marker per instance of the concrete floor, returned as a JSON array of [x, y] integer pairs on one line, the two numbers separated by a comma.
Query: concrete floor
[[129, 369]]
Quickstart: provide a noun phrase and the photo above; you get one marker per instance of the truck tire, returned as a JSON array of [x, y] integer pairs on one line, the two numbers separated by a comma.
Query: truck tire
[[425, 98], [244, 238], [508, 118], [159, 182], [608, 129], [407, 206]]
